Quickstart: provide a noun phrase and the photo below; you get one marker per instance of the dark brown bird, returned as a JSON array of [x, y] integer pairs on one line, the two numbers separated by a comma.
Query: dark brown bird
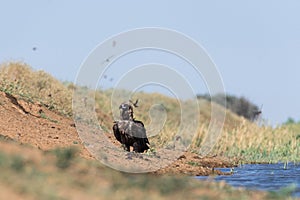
[[130, 132]]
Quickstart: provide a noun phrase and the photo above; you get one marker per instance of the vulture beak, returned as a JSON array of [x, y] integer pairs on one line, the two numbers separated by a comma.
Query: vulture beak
[[122, 106]]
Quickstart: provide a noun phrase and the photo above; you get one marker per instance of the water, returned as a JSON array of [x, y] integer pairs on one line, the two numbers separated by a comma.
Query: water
[[268, 177]]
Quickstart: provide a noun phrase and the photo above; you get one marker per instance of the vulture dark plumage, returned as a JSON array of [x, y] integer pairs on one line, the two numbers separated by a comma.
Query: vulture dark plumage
[[130, 132]]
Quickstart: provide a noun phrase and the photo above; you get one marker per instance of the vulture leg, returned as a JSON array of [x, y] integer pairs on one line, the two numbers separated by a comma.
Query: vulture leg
[[136, 147], [127, 147]]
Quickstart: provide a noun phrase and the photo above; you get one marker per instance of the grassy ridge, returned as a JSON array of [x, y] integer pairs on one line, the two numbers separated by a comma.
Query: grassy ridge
[[239, 138], [36, 86]]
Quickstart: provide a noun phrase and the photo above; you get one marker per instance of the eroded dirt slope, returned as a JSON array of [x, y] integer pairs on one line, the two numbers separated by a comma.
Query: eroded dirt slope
[[34, 124]]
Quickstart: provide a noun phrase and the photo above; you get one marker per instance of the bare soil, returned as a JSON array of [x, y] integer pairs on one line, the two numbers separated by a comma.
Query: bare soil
[[36, 125]]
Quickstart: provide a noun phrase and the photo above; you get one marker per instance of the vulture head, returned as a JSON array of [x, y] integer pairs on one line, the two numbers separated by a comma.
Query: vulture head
[[126, 110]]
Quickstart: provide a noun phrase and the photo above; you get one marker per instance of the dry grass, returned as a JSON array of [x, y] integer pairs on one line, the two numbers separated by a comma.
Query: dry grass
[[260, 144], [37, 86], [239, 138]]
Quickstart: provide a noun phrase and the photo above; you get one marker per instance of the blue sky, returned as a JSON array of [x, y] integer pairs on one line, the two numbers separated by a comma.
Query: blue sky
[[254, 44]]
